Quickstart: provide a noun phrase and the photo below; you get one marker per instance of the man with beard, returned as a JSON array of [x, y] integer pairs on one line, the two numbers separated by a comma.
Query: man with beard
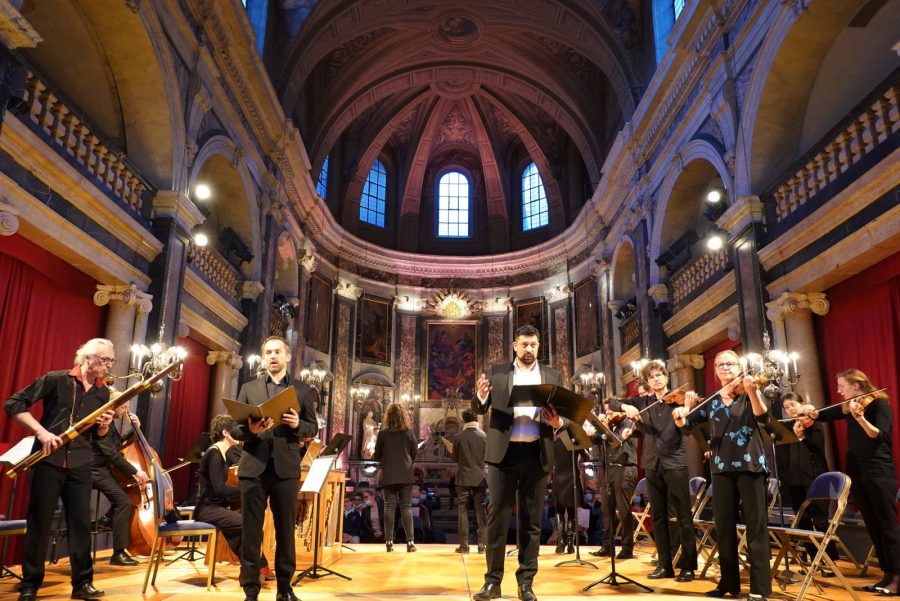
[[519, 456], [270, 469]]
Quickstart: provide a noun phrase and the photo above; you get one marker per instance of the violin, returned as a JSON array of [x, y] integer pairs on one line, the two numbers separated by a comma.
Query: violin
[[614, 418]]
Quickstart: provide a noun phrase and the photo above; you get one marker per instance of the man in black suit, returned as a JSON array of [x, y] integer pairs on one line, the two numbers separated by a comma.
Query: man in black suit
[[270, 469], [468, 453], [519, 455]]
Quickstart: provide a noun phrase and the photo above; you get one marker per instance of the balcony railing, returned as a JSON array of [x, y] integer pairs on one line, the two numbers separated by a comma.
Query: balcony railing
[[71, 134], [218, 272], [696, 275], [874, 123]]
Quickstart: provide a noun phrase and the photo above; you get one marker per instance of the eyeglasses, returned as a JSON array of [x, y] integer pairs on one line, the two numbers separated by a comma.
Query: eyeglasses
[[105, 360], [726, 365]]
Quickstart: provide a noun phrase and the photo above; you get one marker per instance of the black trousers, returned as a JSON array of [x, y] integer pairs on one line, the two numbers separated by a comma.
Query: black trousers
[[875, 498], [282, 497], [747, 489], [518, 480], [462, 506], [228, 521], [393, 493], [670, 493], [103, 480], [48, 484], [622, 480]]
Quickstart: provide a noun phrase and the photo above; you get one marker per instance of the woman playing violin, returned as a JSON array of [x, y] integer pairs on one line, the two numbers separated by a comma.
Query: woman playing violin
[[739, 472], [870, 465]]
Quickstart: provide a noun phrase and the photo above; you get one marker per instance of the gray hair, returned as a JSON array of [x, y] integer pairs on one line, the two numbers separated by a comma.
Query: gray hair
[[90, 347]]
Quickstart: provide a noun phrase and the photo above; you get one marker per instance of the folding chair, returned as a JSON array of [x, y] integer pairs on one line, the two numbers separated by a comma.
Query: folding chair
[[179, 528], [697, 486], [643, 516], [707, 547], [9, 528], [834, 488]]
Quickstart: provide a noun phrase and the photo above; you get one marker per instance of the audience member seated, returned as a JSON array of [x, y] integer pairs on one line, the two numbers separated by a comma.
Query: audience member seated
[[353, 519], [373, 517], [595, 529]]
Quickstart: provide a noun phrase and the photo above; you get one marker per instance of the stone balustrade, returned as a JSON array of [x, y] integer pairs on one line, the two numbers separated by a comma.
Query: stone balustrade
[[217, 271], [697, 274], [872, 126], [72, 135]]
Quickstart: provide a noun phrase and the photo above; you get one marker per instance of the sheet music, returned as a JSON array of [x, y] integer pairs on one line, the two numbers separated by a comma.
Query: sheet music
[[318, 473], [18, 452]]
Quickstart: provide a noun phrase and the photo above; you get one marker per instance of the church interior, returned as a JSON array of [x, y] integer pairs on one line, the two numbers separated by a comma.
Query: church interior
[[396, 187]]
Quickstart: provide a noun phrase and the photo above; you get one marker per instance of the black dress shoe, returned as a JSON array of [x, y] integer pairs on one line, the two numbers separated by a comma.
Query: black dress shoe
[[601, 552], [719, 593], [251, 595], [489, 591], [481, 548], [526, 593], [27, 594], [462, 549], [685, 576], [122, 559], [661, 572], [287, 596], [623, 554], [86, 591]]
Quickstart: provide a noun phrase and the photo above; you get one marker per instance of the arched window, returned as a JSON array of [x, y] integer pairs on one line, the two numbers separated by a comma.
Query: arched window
[[371, 204], [453, 205], [322, 182], [534, 200], [678, 6]]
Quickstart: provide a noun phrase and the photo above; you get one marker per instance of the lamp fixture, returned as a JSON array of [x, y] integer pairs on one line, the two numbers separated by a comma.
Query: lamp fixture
[[714, 242], [593, 381], [149, 361], [202, 192], [714, 195], [778, 367], [407, 398], [316, 374], [637, 366], [358, 394]]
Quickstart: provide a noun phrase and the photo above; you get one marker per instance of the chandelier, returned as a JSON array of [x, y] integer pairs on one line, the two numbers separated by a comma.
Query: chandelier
[[778, 367], [146, 362], [593, 381], [316, 374]]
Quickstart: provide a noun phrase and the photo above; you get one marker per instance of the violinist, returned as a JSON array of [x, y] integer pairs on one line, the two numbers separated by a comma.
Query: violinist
[[739, 473], [665, 468], [269, 469], [870, 465], [106, 455], [68, 396], [621, 463]]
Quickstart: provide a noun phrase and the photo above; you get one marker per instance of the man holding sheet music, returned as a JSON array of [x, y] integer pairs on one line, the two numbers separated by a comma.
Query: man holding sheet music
[[519, 455], [270, 468]]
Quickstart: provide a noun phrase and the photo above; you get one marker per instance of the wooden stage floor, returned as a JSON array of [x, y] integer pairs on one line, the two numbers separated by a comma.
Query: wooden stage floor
[[435, 571]]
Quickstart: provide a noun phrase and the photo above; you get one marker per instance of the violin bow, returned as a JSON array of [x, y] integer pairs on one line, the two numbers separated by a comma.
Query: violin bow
[[665, 396], [719, 391]]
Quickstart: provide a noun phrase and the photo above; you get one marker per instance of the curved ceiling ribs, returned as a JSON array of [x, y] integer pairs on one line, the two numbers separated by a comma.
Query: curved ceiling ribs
[[501, 84]]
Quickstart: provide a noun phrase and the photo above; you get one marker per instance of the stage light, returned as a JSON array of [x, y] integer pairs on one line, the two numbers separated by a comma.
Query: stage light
[[714, 242], [202, 192]]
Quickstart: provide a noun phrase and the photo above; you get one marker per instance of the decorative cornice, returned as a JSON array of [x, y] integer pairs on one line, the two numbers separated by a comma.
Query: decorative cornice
[[743, 212], [9, 218], [659, 293], [557, 293], [685, 361], [231, 359], [251, 290], [175, 204], [794, 302], [213, 300], [127, 295], [348, 290], [15, 30], [409, 303]]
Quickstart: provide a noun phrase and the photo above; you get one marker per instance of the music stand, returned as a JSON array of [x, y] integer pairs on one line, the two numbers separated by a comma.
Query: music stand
[[314, 482], [575, 439], [12, 456], [612, 579], [194, 455]]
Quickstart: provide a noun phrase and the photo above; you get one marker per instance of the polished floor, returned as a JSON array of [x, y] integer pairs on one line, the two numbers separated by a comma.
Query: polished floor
[[435, 571]]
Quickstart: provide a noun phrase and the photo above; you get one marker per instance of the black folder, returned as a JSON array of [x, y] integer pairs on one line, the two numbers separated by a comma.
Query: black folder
[[571, 406]]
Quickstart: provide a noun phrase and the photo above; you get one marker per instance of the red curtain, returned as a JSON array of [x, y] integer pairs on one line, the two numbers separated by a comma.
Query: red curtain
[[46, 313], [710, 382], [862, 331], [188, 417]]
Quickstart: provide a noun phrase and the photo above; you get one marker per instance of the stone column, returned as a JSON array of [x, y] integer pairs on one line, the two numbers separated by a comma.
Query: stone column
[[682, 370], [122, 301], [307, 265], [225, 379], [616, 383]]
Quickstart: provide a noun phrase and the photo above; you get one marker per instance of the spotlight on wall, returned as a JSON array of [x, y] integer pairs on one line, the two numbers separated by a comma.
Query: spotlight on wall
[[714, 242], [714, 195], [200, 239], [202, 192]]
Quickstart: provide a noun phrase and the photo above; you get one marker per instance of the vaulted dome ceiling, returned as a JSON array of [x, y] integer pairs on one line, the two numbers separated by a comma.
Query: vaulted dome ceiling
[[484, 87]]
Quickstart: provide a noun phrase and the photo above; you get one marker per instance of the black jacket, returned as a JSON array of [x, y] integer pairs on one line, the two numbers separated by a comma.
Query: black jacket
[[396, 450], [468, 453]]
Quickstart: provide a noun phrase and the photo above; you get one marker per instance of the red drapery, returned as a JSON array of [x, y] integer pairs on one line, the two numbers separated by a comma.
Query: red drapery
[[862, 331], [710, 382], [187, 414], [46, 313]]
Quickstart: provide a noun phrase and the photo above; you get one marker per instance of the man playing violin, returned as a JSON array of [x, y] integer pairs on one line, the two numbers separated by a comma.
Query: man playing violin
[[68, 396], [870, 465], [106, 455], [621, 465], [738, 464], [665, 468], [269, 469]]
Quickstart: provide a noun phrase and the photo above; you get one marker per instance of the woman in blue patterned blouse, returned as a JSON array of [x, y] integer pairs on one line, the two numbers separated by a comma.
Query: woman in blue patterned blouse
[[739, 473]]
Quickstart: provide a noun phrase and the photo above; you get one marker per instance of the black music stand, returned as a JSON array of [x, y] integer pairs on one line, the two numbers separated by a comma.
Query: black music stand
[[194, 455], [315, 480], [575, 439], [612, 579]]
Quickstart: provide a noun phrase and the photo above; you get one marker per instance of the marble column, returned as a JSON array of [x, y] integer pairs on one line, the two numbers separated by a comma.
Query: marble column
[[123, 302], [616, 382], [682, 370], [226, 366]]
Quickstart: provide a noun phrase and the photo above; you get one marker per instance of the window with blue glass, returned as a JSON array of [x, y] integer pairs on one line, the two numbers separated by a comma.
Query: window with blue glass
[[679, 6], [322, 182], [372, 202], [534, 200], [453, 205]]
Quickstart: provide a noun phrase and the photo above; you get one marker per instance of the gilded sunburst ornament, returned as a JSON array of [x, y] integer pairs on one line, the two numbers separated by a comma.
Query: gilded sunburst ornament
[[452, 303]]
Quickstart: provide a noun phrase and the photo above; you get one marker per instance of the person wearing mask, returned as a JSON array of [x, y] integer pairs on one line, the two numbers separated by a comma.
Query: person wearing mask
[[396, 448], [468, 453], [373, 516]]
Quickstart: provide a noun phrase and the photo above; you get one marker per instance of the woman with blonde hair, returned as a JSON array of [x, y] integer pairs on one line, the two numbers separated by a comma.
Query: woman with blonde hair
[[396, 449]]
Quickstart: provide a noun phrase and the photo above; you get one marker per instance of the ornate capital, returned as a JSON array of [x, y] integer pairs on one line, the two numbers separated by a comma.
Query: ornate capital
[[659, 293], [229, 358], [793, 302], [127, 295], [348, 290], [742, 213], [251, 290], [600, 267], [144, 302], [9, 219], [307, 262], [685, 361], [733, 331]]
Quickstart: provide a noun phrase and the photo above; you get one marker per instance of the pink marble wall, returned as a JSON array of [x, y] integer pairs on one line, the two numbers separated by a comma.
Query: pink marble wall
[[342, 367], [561, 343], [408, 359], [496, 341]]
